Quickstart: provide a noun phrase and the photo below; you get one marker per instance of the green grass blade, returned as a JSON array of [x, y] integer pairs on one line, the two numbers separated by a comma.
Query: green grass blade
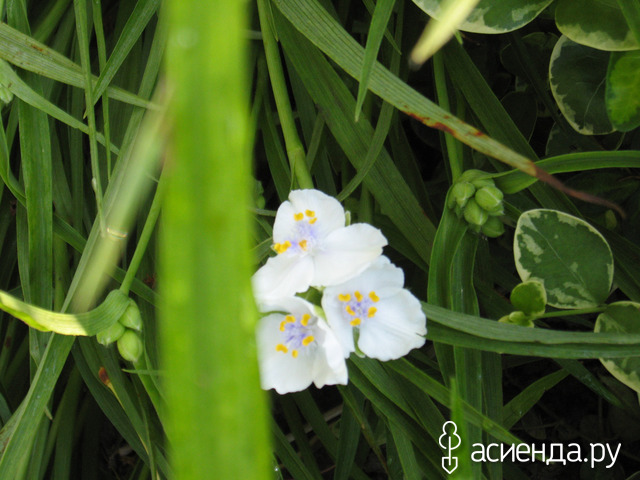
[[216, 412]]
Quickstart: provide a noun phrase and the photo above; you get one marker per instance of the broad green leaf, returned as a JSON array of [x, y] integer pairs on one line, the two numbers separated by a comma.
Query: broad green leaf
[[622, 94], [567, 255], [596, 23], [577, 75], [622, 317], [490, 16], [529, 297], [89, 323]]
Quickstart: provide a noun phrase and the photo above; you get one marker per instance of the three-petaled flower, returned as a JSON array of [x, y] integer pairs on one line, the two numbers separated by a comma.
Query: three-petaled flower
[[314, 247], [375, 312], [296, 348]]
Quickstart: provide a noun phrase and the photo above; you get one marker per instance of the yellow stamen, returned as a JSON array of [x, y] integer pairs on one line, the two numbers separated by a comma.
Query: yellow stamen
[[294, 353], [305, 319], [303, 244], [358, 295], [355, 322], [281, 348], [298, 216], [282, 324], [307, 340], [312, 221], [373, 296], [372, 311], [344, 298], [310, 213], [282, 247], [290, 319], [350, 310]]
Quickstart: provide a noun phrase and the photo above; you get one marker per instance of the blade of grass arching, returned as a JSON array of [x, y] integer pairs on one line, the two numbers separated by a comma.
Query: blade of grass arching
[[513, 181], [584, 375], [324, 31], [391, 412], [337, 104], [370, 6], [47, 25], [25, 52], [406, 455], [131, 32], [216, 412], [294, 421], [102, 60], [21, 90], [377, 29], [80, 9], [287, 455], [530, 396], [347, 446], [24, 422], [573, 348]]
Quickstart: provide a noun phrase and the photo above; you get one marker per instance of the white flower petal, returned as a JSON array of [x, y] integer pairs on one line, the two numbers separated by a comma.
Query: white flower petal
[[347, 252], [328, 210], [398, 326], [284, 223], [282, 276], [333, 309], [321, 362], [381, 277]]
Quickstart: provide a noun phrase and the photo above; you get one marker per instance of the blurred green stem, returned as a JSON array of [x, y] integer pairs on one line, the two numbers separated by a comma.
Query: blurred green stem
[[295, 150]]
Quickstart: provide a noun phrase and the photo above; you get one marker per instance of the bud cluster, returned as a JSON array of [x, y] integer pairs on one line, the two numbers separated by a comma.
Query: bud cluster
[[475, 197], [126, 332]]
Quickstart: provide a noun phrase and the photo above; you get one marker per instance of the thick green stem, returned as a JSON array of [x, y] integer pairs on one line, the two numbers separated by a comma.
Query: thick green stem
[[295, 150]]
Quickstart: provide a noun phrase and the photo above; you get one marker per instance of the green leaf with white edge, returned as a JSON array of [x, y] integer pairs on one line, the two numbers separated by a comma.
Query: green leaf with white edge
[[89, 323], [490, 16], [577, 75], [622, 95], [596, 23], [567, 255], [529, 297], [622, 317]]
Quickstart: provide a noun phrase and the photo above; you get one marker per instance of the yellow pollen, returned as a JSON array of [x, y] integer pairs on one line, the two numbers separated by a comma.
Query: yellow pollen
[[310, 213], [290, 319], [282, 324], [282, 348], [358, 295], [282, 247], [305, 319], [294, 353], [373, 296], [344, 298], [303, 244], [355, 322], [312, 221], [307, 340], [350, 310], [372, 311], [298, 216]]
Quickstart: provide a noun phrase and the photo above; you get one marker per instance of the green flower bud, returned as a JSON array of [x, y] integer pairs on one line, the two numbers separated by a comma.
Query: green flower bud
[[130, 345], [461, 192], [518, 318], [482, 182], [108, 336], [474, 214], [131, 317], [493, 227], [490, 199]]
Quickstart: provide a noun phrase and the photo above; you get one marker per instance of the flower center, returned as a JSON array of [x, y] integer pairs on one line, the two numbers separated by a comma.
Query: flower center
[[296, 334], [303, 238], [358, 307]]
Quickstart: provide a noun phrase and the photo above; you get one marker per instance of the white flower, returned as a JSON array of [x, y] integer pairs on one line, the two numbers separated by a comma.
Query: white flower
[[387, 319], [314, 247], [296, 348]]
